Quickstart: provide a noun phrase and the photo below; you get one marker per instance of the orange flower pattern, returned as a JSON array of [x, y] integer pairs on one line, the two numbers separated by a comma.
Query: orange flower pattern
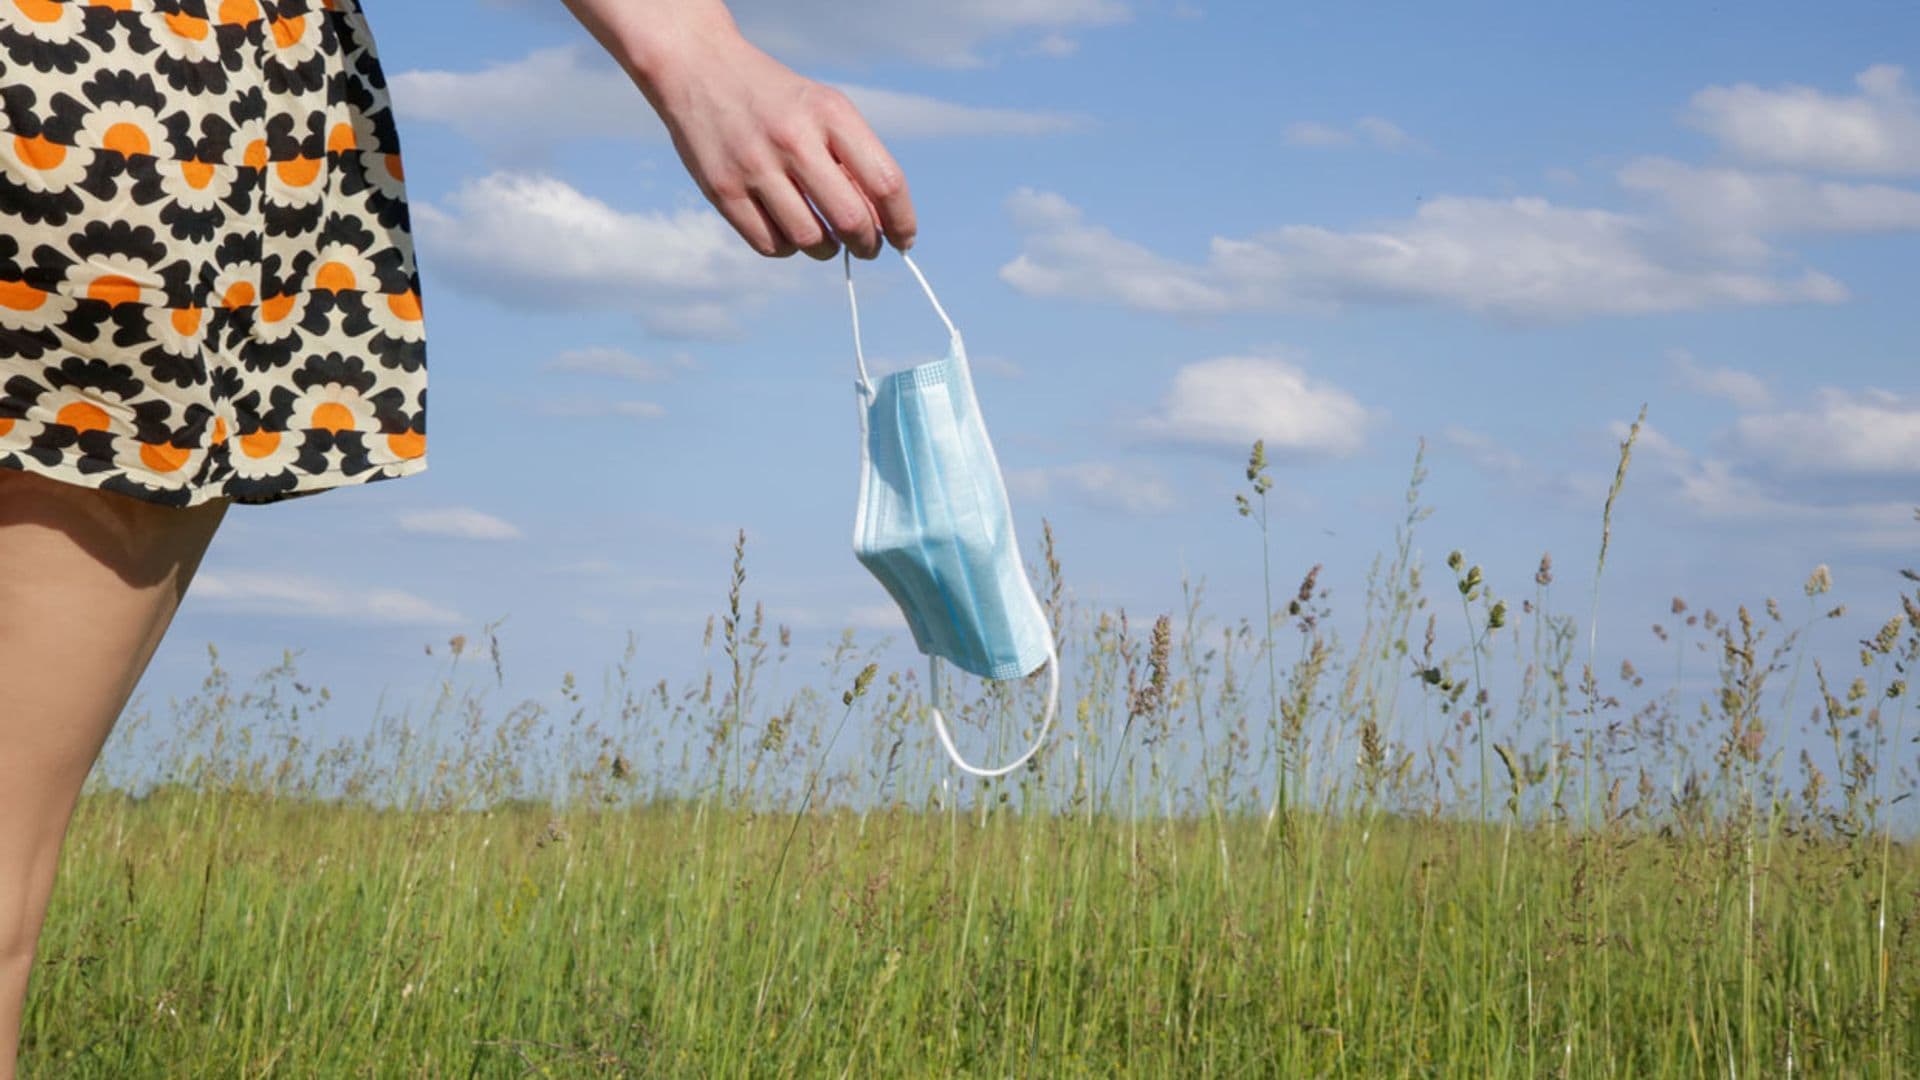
[[207, 281]]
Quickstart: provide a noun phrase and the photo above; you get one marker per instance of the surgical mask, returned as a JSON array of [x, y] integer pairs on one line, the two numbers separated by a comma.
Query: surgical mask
[[935, 527]]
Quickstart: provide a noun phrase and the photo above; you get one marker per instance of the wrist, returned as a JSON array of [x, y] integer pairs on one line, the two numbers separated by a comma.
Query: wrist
[[656, 43]]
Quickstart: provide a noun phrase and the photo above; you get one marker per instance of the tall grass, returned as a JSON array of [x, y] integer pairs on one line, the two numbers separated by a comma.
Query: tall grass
[[708, 881]]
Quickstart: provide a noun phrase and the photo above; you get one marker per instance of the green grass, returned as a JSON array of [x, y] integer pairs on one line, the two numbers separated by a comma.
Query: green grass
[[1575, 874], [210, 935]]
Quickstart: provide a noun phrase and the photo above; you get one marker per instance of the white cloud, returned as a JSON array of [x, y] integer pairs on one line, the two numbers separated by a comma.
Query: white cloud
[[535, 242], [584, 568], [617, 363], [936, 32], [917, 31], [1869, 433], [1064, 256], [458, 521], [876, 617], [1056, 45], [1233, 400], [1742, 388], [1378, 131], [1098, 483], [1745, 205], [1384, 133], [512, 103], [1314, 133], [264, 593], [1874, 131], [1484, 451], [522, 107], [1728, 489], [893, 114], [637, 410], [1523, 258]]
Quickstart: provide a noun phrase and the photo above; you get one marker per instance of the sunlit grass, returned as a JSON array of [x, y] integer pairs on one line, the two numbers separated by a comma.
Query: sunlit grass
[[1235, 860]]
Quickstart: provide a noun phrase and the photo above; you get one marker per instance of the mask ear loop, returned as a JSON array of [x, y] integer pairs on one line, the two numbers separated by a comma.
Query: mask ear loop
[[865, 382], [934, 684]]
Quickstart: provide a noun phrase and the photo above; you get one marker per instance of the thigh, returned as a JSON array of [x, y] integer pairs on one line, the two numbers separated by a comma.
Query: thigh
[[89, 581]]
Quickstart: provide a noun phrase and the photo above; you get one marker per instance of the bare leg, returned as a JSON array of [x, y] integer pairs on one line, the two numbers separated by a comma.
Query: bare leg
[[89, 581]]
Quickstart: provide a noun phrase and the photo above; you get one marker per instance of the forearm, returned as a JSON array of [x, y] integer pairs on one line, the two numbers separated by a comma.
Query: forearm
[[653, 39]]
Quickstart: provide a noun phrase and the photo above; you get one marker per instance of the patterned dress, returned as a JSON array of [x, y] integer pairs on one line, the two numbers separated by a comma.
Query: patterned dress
[[207, 282]]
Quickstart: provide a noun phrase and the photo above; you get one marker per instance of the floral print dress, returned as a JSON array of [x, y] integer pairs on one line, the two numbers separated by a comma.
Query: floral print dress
[[207, 281]]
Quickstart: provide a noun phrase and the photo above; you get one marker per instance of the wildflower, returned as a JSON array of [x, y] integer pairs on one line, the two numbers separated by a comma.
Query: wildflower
[[1256, 468], [860, 684]]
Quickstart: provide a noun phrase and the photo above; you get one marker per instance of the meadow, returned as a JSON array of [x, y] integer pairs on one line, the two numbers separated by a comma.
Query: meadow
[[1233, 859]]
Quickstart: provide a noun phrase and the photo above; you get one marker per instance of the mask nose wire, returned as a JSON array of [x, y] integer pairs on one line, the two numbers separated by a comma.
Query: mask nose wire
[[865, 383]]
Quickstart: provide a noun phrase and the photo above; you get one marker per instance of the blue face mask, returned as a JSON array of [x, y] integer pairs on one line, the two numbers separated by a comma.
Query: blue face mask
[[935, 527]]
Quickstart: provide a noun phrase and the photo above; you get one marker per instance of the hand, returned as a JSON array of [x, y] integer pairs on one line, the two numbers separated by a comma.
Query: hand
[[773, 151]]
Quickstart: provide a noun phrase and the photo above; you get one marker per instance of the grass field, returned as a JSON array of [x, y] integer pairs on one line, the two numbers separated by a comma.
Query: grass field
[[1233, 862]]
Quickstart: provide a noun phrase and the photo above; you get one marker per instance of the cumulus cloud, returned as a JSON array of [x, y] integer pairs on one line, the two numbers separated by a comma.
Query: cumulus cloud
[[266, 593], [1233, 400], [1874, 131], [1523, 258], [533, 241], [1742, 388], [512, 103], [1842, 433], [1854, 487], [1745, 206], [1067, 257], [458, 521], [1103, 484], [522, 107]]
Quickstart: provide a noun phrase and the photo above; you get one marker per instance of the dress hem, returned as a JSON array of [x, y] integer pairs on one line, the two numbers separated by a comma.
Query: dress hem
[[67, 470]]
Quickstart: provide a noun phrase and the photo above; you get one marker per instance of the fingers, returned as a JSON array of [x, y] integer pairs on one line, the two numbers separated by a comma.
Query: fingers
[[846, 208], [755, 226], [795, 219], [877, 175], [808, 178]]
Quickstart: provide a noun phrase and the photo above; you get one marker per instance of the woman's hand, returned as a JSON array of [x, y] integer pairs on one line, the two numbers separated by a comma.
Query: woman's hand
[[761, 141]]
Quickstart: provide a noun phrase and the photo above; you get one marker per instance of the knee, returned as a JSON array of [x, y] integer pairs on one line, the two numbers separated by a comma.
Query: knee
[[18, 939], [26, 887]]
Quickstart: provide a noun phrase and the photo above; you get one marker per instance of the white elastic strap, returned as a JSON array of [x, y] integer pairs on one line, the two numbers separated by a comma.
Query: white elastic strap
[[853, 304], [946, 738], [865, 384]]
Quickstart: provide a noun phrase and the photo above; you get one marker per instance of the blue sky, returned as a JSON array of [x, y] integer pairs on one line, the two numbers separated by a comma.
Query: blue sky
[[1165, 229]]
